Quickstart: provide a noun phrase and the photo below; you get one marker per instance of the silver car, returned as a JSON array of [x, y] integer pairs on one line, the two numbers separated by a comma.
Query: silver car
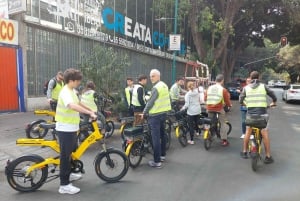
[[291, 93]]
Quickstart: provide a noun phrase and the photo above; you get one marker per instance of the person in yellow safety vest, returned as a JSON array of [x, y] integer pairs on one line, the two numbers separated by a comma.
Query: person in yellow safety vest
[[67, 124], [88, 99], [255, 96], [138, 99], [128, 95], [156, 109], [54, 87], [216, 98], [177, 94]]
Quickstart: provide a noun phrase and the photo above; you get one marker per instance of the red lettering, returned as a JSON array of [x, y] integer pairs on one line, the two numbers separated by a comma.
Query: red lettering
[[7, 31]]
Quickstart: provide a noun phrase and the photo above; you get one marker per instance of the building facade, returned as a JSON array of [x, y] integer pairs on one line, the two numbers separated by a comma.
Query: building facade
[[45, 36]]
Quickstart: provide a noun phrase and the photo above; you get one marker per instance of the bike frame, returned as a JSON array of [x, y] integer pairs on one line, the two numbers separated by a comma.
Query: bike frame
[[53, 144]]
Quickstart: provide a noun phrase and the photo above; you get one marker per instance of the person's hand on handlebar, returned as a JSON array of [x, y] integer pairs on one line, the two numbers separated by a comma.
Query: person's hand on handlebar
[[93, 116]]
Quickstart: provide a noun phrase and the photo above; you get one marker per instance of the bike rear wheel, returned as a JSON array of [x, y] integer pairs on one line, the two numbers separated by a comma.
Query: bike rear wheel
[[109, 128], [254, 161], [112, 165], [35, 131], [207, 139], [229, 127], [16, 170], [136, 154]]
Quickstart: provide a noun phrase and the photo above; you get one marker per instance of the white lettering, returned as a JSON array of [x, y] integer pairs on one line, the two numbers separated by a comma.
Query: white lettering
[[148, 36], [127, 26], [136, 32]]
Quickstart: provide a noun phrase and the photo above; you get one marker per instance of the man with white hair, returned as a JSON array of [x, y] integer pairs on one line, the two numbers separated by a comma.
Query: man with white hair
[[156, 108]]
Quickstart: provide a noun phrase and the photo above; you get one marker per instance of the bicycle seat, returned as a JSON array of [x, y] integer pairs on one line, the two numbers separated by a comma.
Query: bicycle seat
[[206, 120], [47, 125], [134, 131]]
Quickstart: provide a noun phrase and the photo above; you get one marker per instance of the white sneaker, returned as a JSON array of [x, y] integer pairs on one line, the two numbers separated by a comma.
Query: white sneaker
[[191, 142], [75, 176], [242, 136], [251, 137], [197, 134], [68, 189]]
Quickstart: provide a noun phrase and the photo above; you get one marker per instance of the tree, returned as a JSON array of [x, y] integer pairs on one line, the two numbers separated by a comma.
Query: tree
[[105, 67]]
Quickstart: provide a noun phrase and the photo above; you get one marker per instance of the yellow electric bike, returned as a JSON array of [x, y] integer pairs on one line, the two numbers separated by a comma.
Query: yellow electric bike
[[28, 173]]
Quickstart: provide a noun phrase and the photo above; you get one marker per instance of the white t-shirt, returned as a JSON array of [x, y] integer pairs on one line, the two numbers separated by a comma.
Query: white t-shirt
[[66, 95]]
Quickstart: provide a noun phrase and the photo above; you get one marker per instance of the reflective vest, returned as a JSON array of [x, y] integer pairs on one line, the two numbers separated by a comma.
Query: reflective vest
[[56, 90], [214, 94], [162, 103], [88, 100], [135, 100], [65, 114], [174, 92], [128, 94], [256, 97]]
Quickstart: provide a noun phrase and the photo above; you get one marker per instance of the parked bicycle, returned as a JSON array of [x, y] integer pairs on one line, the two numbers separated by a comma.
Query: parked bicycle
[[139, 142], [30, 172], [210, 134]]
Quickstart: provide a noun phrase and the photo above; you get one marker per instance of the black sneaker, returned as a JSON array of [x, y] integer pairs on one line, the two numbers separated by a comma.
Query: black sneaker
[[244, 155], [268, 160]]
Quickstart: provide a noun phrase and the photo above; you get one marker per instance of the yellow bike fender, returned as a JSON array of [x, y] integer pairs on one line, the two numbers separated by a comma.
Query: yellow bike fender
[[205, 134], [177, 131], [128, 148]]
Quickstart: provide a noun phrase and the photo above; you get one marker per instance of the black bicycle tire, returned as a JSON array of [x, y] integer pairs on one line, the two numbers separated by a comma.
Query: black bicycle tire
[[229, 127], [33, 125], [182, 138], [136, 149], [208, 141], [254, 161], [112, 128], [104, 156], [12, 171]]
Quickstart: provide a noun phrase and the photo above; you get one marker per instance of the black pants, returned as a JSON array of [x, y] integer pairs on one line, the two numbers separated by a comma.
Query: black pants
[[67, 144], [193, 124]]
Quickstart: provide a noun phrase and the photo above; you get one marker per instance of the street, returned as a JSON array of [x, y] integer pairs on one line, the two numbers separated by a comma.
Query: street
[[192, 173]]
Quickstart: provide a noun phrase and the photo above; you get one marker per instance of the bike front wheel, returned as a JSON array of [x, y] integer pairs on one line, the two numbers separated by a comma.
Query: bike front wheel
[[34, 130], [16, 170], [111, 165], [181, 134], [136, 153]]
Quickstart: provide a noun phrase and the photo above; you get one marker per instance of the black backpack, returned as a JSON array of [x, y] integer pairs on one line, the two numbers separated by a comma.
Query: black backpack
[[45, 88]]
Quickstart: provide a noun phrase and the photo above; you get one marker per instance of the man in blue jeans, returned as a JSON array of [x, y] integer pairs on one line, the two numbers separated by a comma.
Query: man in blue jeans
[[156, 108]]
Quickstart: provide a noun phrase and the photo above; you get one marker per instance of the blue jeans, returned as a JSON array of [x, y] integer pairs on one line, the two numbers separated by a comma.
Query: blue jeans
[[157, 129], [243, 116]]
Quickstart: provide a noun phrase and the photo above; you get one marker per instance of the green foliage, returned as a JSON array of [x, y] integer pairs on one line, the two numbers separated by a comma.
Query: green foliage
[[105, 67]]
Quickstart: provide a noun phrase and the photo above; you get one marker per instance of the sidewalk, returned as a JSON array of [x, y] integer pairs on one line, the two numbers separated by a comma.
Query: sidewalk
[[12, 127]]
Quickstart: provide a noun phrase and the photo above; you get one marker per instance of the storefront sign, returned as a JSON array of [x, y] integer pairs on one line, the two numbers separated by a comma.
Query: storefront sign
[[9, 32], [16, 6]]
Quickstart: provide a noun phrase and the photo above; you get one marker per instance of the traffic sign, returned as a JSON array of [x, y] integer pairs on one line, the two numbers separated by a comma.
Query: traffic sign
[[174, 42]]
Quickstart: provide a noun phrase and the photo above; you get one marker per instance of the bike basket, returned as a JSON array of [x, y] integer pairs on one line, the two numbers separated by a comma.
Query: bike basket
[[134, 131], [256, 121]]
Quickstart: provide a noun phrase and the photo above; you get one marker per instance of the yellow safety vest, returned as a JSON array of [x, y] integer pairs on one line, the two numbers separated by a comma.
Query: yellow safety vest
[[174, 92], [127, 94], [162, 103], [56, 90], [256, 97], [65, 114], [88, 100], [135, 100], [214, 94]]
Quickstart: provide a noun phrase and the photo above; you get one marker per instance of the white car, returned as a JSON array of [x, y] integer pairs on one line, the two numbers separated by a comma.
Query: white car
[[280, 83], [291, 93]]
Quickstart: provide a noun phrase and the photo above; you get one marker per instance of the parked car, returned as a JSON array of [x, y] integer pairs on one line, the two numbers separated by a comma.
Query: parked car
[[234, 90], [291, 93], [271, 83], [280, 83]]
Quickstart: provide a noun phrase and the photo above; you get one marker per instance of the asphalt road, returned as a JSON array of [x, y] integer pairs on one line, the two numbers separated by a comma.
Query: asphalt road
[[192, 173]]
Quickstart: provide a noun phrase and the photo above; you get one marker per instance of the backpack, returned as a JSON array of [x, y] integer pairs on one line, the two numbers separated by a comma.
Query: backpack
[[46, 84]]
